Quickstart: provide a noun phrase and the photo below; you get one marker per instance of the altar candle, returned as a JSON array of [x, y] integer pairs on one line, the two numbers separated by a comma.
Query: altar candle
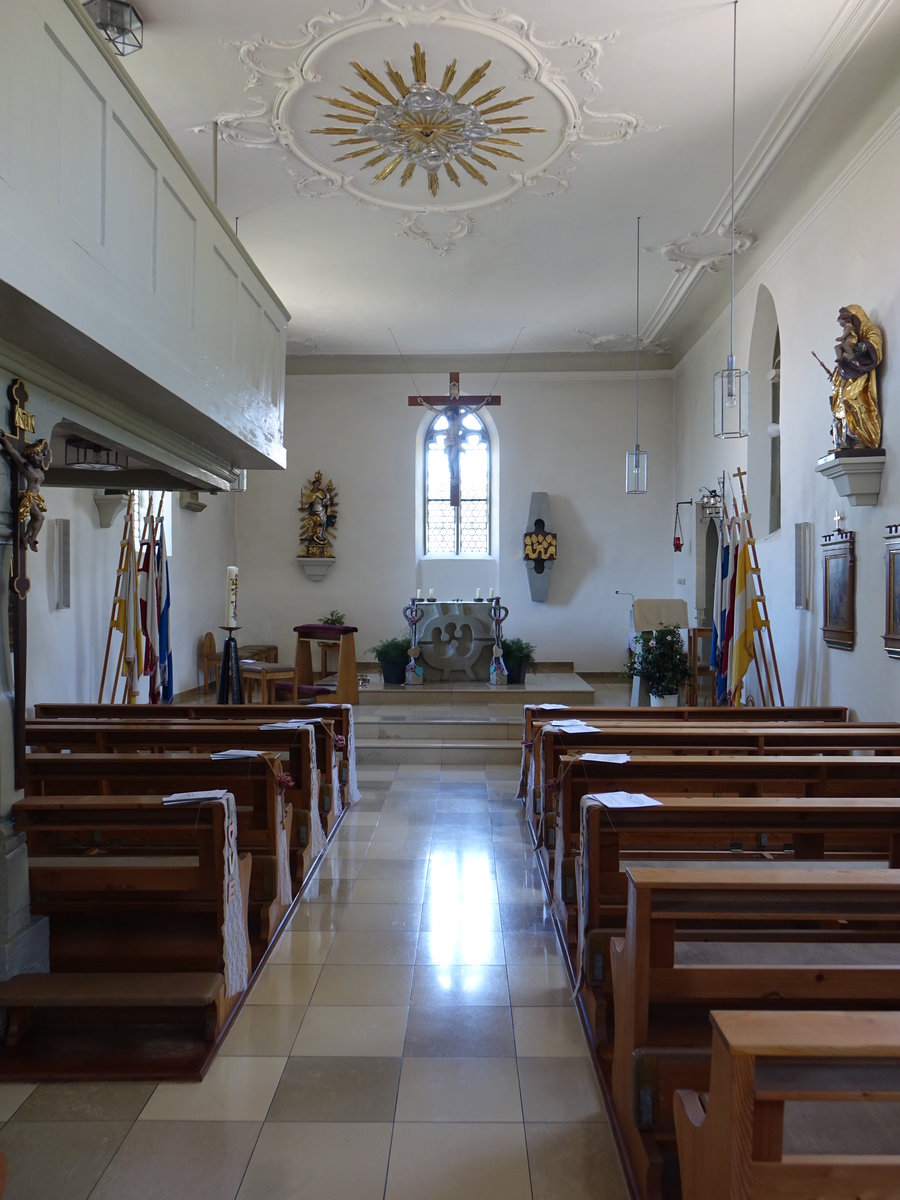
[[431, 593], [490, 593], [478, 593], [418, 593], [231, 590]]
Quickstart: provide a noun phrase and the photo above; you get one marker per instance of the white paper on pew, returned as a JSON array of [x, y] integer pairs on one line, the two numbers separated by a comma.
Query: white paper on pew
[[235, 754], [571, 727], [294, 724], [545, 706], [624, 800], [195, 797], [595, 756]]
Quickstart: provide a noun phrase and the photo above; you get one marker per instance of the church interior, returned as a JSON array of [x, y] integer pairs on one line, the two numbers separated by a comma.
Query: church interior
[[485, 332]]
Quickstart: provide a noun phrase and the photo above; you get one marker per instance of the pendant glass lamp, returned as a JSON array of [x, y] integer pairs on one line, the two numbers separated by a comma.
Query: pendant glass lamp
[[636, 459], [731, 387]]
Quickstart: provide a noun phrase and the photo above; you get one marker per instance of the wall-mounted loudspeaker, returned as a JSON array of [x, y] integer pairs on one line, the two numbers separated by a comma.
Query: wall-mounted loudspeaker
[[802, 545]]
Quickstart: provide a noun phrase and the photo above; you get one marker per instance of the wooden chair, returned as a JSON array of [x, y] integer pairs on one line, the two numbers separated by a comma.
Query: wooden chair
[[210, 660]]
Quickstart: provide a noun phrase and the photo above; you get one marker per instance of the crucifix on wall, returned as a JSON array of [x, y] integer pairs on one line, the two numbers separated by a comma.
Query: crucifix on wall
[[455, 408], [28, 464]]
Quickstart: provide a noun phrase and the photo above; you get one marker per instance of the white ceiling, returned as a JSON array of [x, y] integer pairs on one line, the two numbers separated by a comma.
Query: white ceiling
[[634, 99]]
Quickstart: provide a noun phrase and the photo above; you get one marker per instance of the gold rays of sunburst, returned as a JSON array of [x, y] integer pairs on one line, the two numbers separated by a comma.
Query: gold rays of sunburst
[[393, 124]]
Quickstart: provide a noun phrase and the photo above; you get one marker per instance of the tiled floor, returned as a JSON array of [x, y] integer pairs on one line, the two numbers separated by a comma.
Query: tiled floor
[[412, 1036]]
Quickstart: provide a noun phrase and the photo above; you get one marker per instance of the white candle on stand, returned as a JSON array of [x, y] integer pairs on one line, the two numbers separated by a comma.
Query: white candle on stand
[[478, 593], [431, 593], [418, 593], [231, 590], [490, 593]]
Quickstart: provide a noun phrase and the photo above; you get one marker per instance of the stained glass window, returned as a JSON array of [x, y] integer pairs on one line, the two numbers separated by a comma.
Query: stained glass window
[[464, 529]]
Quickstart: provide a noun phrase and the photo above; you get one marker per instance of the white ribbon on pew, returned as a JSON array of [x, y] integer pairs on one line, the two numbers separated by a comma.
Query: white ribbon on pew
[[234, 929], [353, 794]]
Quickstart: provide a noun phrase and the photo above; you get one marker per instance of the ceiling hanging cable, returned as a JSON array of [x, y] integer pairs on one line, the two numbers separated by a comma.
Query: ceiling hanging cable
[[731, 387], [636, 459]]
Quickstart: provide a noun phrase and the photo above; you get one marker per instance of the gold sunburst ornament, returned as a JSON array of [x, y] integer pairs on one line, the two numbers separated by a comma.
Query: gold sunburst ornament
[[420, 125]]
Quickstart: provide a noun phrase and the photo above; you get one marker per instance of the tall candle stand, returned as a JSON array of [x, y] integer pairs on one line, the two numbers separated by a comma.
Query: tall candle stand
[[415, 673], [230, 690], [498, 676]]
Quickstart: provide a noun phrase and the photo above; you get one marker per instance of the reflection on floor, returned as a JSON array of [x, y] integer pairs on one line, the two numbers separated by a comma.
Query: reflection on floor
[[412, 1036]]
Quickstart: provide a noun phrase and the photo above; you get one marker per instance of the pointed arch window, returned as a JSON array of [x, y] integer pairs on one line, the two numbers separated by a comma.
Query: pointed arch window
[[462, 528]]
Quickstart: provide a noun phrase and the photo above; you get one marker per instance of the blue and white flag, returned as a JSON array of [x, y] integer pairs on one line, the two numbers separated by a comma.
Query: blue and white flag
[[166, 672]]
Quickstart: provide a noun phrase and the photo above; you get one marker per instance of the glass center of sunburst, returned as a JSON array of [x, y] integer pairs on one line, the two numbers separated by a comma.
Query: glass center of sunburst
[[428, 127]]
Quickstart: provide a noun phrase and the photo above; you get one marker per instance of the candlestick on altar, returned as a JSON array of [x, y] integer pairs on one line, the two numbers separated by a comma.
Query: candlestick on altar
[[415, 673], [498, 675]]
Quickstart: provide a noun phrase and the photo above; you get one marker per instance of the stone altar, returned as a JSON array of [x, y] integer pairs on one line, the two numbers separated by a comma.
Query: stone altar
[[455, 639]]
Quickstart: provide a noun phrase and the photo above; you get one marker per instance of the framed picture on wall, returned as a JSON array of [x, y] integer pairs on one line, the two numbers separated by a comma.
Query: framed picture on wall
[[892, 591], [839, 589]]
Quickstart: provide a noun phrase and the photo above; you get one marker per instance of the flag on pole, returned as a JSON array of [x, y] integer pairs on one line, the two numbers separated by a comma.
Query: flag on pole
[[149, 599], [127, 620], [164, 601], [747, 617], [715, 649], [730, 536]]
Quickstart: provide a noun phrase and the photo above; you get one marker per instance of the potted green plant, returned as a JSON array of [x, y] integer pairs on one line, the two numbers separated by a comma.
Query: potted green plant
[[392, 654], [659, 658], [518, 657], [334, 618]]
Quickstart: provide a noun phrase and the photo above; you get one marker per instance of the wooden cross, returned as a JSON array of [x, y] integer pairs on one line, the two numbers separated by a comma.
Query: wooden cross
[[22, 499], [456, 408]]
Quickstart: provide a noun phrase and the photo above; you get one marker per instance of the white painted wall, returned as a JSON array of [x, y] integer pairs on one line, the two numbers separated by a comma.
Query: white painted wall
[[843, 251], [563, 434]]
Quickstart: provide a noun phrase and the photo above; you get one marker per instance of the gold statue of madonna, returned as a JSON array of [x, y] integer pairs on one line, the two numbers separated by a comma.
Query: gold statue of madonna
[[856, 420], [319, 508]]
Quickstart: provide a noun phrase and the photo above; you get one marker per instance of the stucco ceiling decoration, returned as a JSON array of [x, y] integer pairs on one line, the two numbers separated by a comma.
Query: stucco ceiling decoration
[[425, 125], [622, 343], [286, 80], [705, 251]]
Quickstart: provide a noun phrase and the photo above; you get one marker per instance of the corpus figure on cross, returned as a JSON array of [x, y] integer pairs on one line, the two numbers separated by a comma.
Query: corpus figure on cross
[[455, 410]]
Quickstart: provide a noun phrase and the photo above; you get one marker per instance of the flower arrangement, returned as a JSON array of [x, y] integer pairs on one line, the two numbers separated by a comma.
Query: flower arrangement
[[660, 660], [335, 617]]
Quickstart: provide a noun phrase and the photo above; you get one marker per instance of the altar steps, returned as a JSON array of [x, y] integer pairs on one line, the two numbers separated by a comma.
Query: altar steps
[[456, 724]]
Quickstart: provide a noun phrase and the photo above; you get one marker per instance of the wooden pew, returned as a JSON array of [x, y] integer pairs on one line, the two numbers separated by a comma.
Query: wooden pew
[[720, 775], [692, 828], [304, 748], [706, 737], [532, 714], [263, 819], [662, 1037], [732, 1148], [142, 973], [340, 715]]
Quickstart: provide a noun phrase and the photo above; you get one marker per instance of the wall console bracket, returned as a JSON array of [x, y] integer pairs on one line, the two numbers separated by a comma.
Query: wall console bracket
[[313, 568], [856, 474]]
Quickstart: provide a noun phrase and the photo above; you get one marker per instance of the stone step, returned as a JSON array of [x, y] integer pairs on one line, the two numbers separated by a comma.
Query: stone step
[[456, 728], [438, 751]]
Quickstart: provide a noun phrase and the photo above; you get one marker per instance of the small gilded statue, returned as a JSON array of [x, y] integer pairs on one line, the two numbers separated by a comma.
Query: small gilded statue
[[318, 505], [856, 420]]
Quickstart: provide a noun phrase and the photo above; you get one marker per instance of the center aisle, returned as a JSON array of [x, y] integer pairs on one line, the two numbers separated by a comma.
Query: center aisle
[[433, 1046]]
